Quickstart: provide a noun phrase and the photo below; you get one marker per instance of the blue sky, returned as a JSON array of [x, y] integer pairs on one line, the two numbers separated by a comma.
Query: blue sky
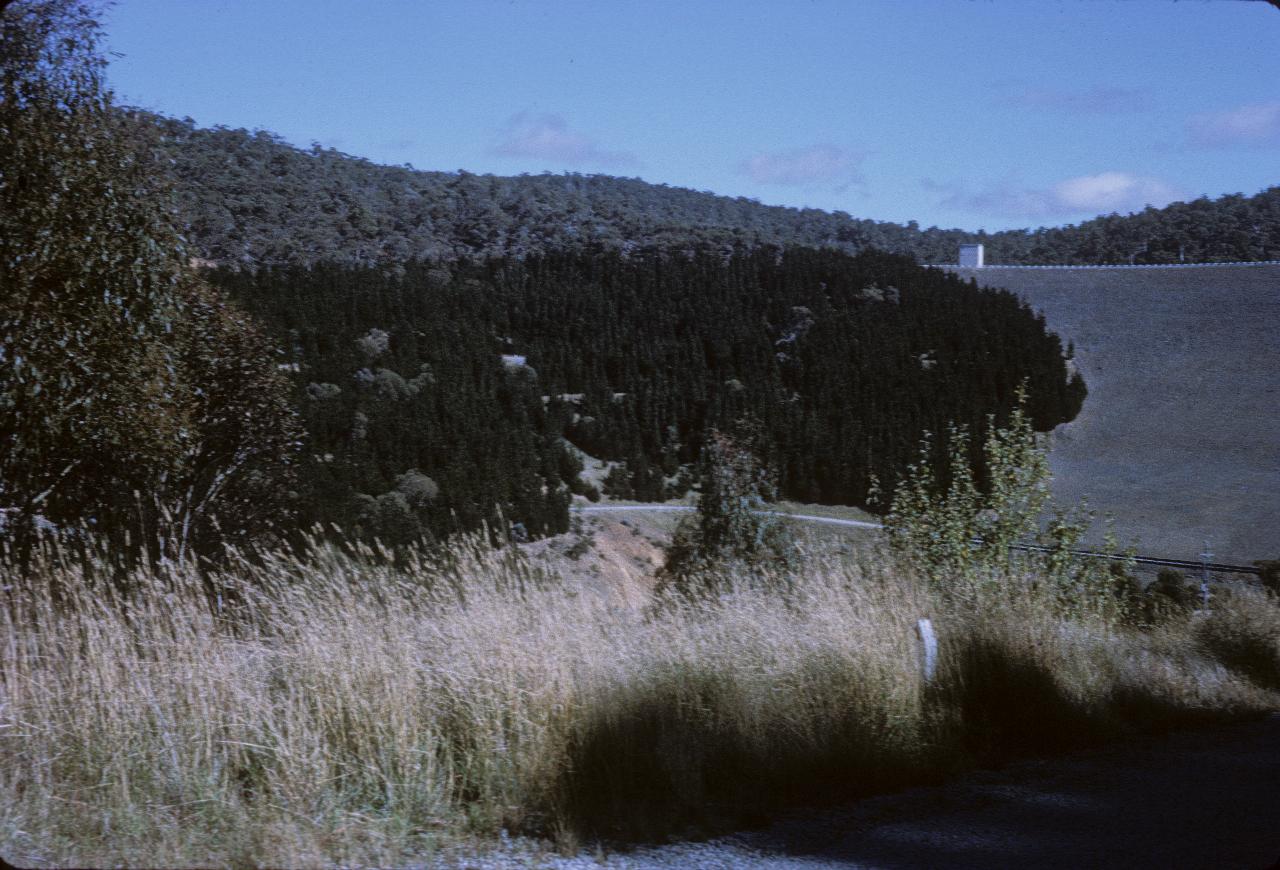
[[968, 113]]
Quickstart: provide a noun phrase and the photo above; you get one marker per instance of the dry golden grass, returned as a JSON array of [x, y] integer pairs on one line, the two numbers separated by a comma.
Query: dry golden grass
[[337, 710]]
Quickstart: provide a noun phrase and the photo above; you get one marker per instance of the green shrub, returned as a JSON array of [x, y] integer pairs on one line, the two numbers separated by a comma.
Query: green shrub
[[1270, 575], [732, 524], [962, 536], [1173, 590]]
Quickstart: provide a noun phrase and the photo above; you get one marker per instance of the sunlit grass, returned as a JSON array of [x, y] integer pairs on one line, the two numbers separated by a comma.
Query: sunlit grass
[[338, 710]]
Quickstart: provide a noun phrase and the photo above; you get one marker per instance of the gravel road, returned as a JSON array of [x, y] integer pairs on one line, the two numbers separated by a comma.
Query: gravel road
[[628, 508], [1202, 799]]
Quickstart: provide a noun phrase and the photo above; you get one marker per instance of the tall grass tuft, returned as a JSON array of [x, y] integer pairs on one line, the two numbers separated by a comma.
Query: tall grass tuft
[[339, 706], [1242, 630]]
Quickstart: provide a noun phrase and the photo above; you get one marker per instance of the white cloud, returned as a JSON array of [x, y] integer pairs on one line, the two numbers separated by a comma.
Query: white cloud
[[1254, 124], [1112, 191], [1097, 100], [819, 164], [548, 137], [1103, 193]]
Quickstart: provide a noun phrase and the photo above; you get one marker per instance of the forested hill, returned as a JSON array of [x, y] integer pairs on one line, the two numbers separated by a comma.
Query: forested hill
[[250, 199], [433, 393]]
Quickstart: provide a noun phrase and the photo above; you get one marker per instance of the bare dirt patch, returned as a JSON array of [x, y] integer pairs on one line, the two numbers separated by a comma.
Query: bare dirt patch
[[617, 557]]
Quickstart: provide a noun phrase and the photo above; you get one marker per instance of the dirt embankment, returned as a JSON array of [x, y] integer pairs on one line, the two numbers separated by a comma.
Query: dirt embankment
[[618, 557]]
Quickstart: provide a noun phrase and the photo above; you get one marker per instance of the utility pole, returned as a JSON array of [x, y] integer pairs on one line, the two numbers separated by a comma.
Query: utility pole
[[1204, 573]]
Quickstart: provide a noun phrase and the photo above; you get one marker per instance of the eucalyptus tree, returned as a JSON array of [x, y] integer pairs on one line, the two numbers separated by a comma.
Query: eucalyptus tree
[[112, 390], [89, 267]]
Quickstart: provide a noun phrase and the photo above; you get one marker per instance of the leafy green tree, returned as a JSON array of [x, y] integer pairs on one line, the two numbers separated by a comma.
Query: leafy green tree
[[962, 536], [128, 388], [233, 482], [732, 523], [942, 517], [89, 266]]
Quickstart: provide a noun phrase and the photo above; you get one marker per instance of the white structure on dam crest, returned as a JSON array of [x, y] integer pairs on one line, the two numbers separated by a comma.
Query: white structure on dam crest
[[971, 257]]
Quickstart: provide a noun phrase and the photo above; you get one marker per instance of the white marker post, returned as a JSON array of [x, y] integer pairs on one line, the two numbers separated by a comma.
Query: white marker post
[[1204, 575], [930, 643]]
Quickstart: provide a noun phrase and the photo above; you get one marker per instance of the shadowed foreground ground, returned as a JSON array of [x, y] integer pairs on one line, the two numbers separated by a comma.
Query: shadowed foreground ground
[[1204, 799]]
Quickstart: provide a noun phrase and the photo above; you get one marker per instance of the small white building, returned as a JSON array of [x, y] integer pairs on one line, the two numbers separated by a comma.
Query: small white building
[[971, 257]]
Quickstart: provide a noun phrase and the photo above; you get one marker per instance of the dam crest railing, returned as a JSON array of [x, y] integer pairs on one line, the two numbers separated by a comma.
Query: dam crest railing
[[988, 266]]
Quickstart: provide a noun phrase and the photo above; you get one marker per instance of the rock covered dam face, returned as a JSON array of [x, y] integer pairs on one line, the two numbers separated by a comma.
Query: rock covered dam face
[[1179, 437]]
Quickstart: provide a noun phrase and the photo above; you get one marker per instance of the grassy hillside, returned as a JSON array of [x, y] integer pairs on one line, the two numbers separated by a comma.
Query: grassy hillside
[[1180, 435]]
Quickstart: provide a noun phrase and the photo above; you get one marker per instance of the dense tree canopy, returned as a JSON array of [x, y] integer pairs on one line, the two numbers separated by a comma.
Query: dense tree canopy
[[252, 199], [480, 374]]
